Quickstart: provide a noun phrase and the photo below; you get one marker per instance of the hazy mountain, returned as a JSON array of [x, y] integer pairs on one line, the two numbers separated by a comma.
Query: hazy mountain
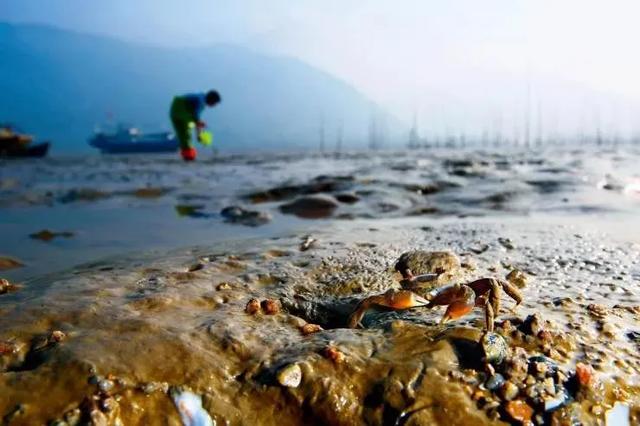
[[60, 84]]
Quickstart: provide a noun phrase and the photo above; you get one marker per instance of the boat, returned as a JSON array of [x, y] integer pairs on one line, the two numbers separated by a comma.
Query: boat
[[128, 140], [16, 144]]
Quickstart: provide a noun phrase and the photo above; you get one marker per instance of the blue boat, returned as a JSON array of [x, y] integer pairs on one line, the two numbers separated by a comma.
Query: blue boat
[[128, 140]]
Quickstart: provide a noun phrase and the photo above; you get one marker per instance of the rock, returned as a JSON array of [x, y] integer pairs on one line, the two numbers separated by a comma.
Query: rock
[[9, 263], [83, 194], [310, 329], [506, 243], [311, 207], [239, 215], [318, 185], [189, 406], [191, 210], [332, 353], [509, 391], [105, 385], [5, 286], [532, 325], [519, 411], [347, 197], [419, 262], [290, 376], [619, 415], [57, 336], [47, 235], [253, 307], [552, 403], [517, 278], [307, 243], [495, 348], [542, 366], [270, 306], [585, 374], [149, 193], [494, 382]]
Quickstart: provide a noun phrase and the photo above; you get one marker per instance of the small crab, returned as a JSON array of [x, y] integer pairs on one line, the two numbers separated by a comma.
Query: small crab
[[460, 299]]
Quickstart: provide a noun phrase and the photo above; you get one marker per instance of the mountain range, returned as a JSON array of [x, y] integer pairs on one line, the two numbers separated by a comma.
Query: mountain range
[[59, 85]]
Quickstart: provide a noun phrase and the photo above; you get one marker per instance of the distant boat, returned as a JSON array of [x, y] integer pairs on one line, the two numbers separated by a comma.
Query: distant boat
[[127, 140], [15, 144]]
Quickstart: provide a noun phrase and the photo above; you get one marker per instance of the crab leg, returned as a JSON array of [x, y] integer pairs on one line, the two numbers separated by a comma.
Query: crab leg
[[401, 299], [489, 317], [513, 292]]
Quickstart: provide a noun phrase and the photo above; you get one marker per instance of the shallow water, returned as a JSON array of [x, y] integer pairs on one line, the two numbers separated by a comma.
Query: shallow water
[[116, 204]]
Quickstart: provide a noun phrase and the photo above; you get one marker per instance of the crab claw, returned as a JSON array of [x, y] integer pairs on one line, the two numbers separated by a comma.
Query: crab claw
[[403, 299], [460, 299]]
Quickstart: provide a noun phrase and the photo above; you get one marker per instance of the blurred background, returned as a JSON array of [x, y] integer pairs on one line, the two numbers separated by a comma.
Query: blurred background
[[292, 74]]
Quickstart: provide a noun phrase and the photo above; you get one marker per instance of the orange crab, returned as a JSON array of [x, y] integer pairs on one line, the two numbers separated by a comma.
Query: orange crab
[[460, 299]]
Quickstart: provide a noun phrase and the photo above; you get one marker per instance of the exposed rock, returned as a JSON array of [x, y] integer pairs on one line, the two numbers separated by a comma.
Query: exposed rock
[[311, 207], [236, 214]]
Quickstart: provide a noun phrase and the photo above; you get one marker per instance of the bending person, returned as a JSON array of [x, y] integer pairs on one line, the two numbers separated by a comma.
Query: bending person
[[185, 110]]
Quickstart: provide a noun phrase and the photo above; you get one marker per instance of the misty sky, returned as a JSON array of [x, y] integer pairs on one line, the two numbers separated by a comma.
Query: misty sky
[[458, 64]]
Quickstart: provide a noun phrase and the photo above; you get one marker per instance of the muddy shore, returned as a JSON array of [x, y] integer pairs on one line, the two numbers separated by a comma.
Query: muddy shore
[[115, 342]]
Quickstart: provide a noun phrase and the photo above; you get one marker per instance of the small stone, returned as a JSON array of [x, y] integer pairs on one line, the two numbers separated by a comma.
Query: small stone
[[270, 306], [509, 391], [105, 385], [533, 325], [332, 353], [108, 404], [494, 382], [4, 286], [506, 243], [223, 286], [519, 411], [517, 278], [57, 336], [598, 311], [290, 376], [253, 307], [541, 369], [307, 243], [196, 267], [585, 374], [495, 348], [310, 329]]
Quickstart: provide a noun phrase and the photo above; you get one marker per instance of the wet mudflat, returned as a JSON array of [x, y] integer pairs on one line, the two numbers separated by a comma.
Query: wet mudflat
[[114, 340], [255, 330]]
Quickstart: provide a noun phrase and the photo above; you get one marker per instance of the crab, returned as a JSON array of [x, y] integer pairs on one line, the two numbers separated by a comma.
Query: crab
[[460, 299]]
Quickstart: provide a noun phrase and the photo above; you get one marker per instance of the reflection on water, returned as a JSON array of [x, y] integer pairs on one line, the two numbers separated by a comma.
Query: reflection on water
[[111, 205]]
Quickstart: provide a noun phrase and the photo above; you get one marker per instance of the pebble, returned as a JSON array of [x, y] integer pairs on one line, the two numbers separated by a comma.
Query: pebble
[[253, 307], [223, 286], [519, 411], [495, 348], [494, 382], [517, 278], [585, 374], [509, 391], [310, 329], [270, 306], [4, 286], [57, 336], [332, 353], [290, 376], [105, 385]]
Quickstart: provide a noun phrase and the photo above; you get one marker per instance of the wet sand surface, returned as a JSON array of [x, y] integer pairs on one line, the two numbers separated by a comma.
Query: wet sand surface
[[256, 328]]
